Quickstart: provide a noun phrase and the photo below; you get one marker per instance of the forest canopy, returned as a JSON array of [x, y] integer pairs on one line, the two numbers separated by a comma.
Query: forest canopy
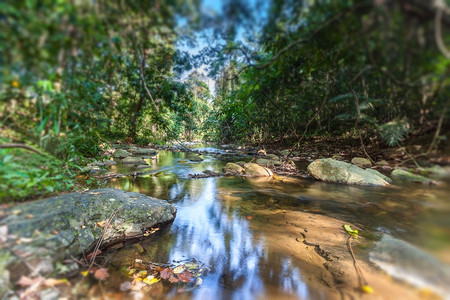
[[75, 74]]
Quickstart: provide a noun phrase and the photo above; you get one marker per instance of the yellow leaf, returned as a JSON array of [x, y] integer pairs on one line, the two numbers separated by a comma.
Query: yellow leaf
[[15, 84], [84, 273], [131, 271], [367, 289], [142, 273], [151, 280], [275, 177], [182, 161]]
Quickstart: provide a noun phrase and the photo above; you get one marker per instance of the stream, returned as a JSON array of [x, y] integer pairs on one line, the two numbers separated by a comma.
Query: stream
[[221, 222]]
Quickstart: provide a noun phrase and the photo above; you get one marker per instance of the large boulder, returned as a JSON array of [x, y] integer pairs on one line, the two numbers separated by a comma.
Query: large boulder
[[42, 233], [379, 174], [233, 169], [120, 153], [252, 169], [330, 170], [361, 162]]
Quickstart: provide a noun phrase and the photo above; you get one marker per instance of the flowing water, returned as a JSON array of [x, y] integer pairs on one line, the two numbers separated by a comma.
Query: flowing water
[[216, 223]]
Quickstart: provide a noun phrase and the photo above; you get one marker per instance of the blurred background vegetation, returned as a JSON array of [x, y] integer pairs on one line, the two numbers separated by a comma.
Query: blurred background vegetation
[[77, 74]]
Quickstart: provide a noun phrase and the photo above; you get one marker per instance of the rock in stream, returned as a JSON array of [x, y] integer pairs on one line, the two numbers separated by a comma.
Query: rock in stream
[[41, 233]]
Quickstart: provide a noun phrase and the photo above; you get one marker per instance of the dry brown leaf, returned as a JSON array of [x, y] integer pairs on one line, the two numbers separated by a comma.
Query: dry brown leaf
[[27, 281], [100, 224], [101, 274], [90, 255]]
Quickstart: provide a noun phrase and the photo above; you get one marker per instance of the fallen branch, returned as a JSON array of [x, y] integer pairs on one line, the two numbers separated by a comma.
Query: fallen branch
[[23, 146]]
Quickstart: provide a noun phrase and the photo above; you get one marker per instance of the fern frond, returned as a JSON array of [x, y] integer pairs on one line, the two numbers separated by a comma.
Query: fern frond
[[394, 131]]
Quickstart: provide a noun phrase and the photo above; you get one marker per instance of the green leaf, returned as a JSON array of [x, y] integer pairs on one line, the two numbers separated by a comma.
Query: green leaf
[[352, 232]]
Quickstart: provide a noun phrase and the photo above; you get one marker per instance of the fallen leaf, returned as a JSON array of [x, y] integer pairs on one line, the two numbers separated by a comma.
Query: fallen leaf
[[191, 266], [100, 224], [182, 161], [166, 273], [101, 274], [50, 282], [142, 274], [367, 289], [173, 279], [249, 217], [185, 276], [151, 280], [90, 255], [54, 231], [16, 212], [28, 216], [84, 273], [350, 230], [131, 271], [27, 281], [179, 269]]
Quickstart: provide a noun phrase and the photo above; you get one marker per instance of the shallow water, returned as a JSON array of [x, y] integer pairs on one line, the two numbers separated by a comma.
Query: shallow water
[[216, 224]]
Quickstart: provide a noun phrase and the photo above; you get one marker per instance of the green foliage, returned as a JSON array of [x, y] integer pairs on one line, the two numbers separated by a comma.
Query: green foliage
[[24, 175], [303, 71], [394, 131]]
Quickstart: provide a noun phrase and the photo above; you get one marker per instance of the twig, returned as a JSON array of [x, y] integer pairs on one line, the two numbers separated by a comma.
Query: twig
[[99, 242], [362, 280]]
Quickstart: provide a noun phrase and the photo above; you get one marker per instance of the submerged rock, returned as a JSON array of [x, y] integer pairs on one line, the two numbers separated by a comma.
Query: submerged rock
[[361, 162], [252, 169], [330, 170], [233, 169], [51, 229], [120, 153], [405, 261], [408, 176]]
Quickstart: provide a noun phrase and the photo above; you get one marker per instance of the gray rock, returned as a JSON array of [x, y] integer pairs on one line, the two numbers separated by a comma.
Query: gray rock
[[232, 168], [330, 170], [361, 162], [120, 153], [110, 162], [379, 174], [240, 163], [143, 151], [97, 164], [382, 163], [253, 169], [69, 224], [408, 176], [133, 160]]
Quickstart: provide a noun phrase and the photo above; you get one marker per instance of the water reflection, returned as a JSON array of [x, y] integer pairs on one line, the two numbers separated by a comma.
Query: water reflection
[[211, 223]]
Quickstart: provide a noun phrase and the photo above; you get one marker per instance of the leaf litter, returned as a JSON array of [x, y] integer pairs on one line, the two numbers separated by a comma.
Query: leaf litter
[[143, 274]]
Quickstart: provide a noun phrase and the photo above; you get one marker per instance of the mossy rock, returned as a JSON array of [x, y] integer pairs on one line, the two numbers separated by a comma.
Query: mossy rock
[[70, 224], [233, 169], [143, 151], [361, 162], [330, 170], [253, 169], [120, 153], [408, 176]]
